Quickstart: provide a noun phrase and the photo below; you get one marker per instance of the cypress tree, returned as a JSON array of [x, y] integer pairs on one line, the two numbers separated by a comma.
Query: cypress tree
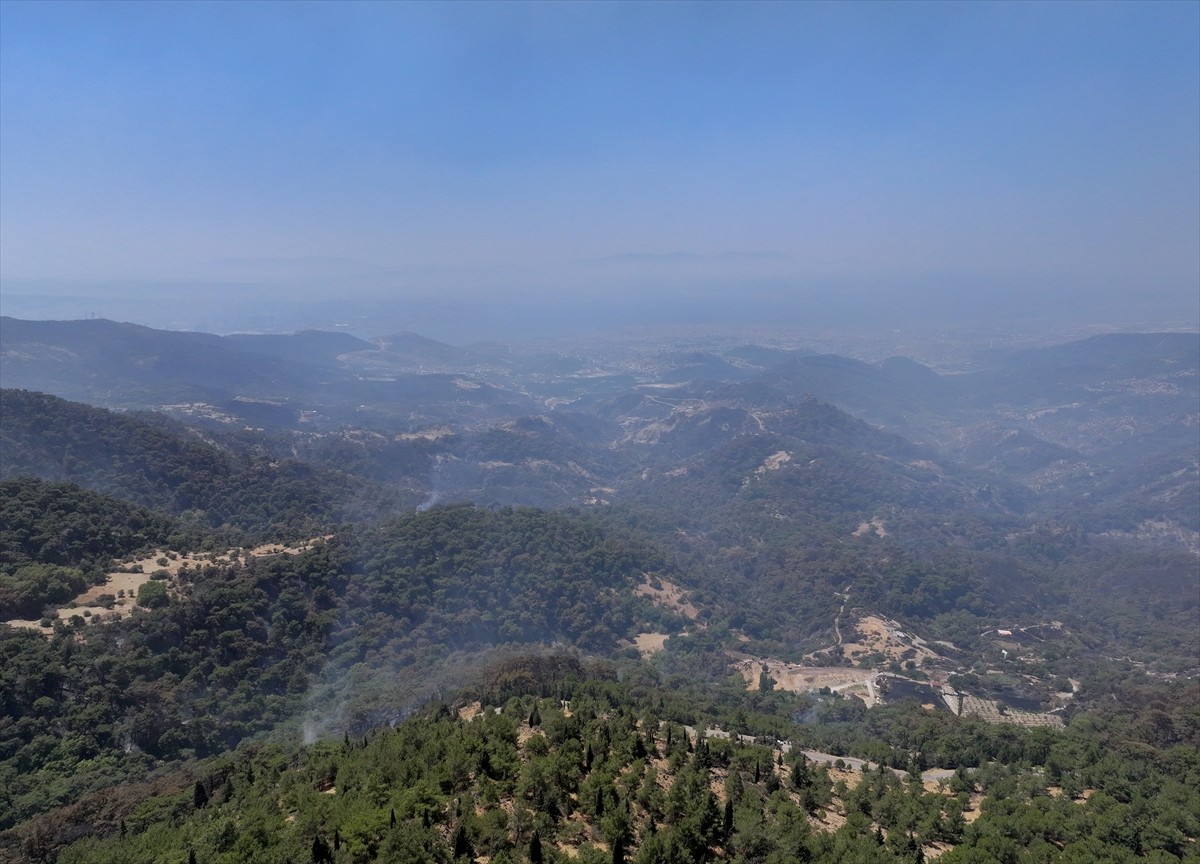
[[199, 795], [392, 821], [320, 851], [535, 849], [462, 845], [728, 821], [535, 718]]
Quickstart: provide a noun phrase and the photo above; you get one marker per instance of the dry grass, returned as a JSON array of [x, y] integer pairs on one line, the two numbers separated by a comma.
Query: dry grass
[[649, 644], [134, 573], [668, 596]]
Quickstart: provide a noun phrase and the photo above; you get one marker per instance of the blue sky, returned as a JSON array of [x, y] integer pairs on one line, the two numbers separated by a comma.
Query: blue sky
[[1035, 144]]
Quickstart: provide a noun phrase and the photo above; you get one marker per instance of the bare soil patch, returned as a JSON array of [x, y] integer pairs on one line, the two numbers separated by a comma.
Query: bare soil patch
[[668, 596], [936, 850], [972, 812], [649, 644], [774, 462], [828, 821], [875, 635], [800, 679], [875, 525]]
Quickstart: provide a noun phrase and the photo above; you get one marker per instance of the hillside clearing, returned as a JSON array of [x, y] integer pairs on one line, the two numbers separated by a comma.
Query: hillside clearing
[[124, 582]]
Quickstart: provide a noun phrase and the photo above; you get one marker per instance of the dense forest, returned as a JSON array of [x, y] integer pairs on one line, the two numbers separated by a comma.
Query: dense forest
[[351, 629], [604, 764], [157, 463], [309, 669]]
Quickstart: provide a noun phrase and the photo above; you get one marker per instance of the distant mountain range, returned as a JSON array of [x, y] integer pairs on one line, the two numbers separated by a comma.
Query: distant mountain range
[[1117, 413]]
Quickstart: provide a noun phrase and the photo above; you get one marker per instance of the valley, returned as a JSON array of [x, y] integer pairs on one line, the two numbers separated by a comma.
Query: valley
[[970, 585]]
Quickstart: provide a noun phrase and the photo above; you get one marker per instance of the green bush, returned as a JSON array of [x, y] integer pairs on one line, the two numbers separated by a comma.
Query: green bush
[[152, 595]]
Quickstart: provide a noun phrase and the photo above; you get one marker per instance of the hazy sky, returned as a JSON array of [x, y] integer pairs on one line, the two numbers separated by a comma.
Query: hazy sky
[[968, 146]]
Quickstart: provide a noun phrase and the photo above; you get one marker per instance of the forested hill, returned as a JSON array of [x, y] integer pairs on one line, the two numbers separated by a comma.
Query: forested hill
[[57, 538], [350, 634], [593, 767], [160, 464], [63, 524]]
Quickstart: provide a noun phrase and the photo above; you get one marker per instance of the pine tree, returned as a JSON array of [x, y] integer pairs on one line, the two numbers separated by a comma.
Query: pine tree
[[800, 778], [772, 783]]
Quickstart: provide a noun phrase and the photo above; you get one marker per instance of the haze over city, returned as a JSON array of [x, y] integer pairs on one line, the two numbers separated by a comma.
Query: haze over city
[[484, 170]]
